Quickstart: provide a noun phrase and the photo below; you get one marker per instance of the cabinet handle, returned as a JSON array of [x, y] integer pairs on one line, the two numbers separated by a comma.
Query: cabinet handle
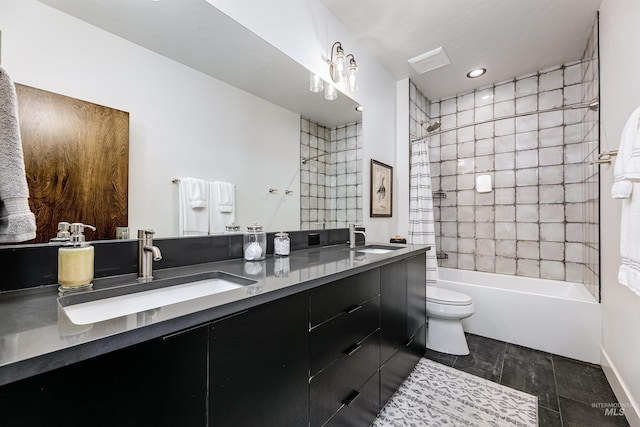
[[352, 398], [184, 331], [409, 342], [222, 319], [353, 308], [353, 349]]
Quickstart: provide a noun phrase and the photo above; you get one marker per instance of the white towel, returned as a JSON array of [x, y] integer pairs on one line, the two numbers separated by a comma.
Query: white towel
[[222, 212], [17, 222], [225, 196], [625, 186], [629, 271], [627, 167], [197, 192], [193, 207]]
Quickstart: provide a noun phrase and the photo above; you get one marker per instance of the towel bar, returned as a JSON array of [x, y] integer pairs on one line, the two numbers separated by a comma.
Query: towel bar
[[177, 180], [605, 158]]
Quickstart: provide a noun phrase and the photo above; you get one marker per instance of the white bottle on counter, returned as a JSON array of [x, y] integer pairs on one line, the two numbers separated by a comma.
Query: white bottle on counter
[[281, 244]]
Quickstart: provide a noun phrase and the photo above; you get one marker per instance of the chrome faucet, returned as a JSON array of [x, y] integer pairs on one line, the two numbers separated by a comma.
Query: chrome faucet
[[147, 253], [352, 235]]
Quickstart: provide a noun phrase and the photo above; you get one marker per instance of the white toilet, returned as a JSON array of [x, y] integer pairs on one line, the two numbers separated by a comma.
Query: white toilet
[[445, 310]]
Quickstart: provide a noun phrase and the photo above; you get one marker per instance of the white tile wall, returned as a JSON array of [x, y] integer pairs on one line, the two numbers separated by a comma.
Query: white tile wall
[[541, 220], [330, 185]]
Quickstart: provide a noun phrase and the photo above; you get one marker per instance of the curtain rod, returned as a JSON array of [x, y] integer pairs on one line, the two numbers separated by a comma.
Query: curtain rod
[[593, 106], [305, 160]]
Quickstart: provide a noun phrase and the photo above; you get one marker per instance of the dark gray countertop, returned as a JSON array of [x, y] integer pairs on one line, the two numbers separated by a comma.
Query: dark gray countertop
[[36, 336]]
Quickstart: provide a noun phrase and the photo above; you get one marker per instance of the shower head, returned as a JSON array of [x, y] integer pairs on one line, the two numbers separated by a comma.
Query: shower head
[[432, 126]]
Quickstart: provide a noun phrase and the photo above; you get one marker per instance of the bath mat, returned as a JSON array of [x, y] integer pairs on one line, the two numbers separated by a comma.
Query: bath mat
[[435, 395]]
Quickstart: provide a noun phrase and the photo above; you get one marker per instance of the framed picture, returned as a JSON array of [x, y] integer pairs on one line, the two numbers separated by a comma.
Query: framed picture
[[381, 189]]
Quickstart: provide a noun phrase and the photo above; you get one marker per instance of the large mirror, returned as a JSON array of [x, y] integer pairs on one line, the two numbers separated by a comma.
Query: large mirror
[[244, 127]]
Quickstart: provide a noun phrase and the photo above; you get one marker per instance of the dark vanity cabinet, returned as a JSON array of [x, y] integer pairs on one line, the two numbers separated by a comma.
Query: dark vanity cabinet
[[402, 322], [417, 302], [259, 365], [162, 382], [344, 351], [367, 333], [329, 356]]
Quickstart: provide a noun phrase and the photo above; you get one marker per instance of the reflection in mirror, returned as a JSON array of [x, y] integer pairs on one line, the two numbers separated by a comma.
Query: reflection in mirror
[[185, 124], [76, 157], [331, 185]]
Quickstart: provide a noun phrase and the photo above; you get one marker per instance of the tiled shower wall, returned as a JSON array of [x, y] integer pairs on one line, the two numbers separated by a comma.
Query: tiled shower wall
[[591, 173], [541, 219], [331, 180]]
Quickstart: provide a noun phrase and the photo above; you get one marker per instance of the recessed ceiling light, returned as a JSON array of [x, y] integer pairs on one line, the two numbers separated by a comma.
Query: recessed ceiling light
[[359, 108], [476, 73]]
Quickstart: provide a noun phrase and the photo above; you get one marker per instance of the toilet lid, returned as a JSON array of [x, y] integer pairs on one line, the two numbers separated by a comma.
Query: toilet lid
[[447, 296]]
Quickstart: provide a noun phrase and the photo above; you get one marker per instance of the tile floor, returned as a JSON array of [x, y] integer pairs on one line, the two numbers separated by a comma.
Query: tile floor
[[566, 389]]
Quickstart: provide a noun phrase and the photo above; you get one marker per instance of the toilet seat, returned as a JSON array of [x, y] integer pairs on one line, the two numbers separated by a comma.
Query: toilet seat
[[446, 296]]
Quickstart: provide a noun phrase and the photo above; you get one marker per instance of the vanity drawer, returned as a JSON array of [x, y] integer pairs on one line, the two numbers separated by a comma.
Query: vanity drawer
[[328, 301], [399, 366], [330, 340], [362, 408], [337, 385]]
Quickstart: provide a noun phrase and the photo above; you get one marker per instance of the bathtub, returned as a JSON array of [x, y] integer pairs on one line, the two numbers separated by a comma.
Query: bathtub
[[558, 317]]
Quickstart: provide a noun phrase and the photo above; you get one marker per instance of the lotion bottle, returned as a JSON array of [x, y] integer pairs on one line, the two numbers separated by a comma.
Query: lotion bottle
[[75, 261]]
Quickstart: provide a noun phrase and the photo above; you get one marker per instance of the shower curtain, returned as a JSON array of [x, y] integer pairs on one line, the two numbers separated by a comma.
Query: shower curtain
[[421, 224]]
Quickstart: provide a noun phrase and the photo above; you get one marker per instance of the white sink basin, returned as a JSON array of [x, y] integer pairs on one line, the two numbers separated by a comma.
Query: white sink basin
[[376, 249], [101, 305]]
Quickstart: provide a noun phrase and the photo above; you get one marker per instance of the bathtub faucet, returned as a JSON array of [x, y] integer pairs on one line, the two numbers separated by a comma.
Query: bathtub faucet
[[352, 234]]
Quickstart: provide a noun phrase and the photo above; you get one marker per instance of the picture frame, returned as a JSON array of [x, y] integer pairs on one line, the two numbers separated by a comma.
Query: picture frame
[[381, 194]]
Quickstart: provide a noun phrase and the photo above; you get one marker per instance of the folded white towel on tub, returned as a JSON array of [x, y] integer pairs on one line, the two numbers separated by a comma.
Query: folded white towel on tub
[[17, 222]]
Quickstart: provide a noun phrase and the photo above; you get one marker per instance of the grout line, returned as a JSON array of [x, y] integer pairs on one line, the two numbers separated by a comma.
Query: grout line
[[555, 383], [504, 353]]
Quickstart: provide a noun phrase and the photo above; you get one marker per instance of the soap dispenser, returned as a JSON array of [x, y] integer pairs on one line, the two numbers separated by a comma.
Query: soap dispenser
[[63, 233], [75, 261]]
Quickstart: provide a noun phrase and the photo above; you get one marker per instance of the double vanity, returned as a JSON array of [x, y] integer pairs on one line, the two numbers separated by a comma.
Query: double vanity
[[322, 337]]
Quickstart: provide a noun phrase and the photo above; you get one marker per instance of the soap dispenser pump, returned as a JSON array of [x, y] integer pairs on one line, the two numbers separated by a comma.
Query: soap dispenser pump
[[75, 261], [63, 233]]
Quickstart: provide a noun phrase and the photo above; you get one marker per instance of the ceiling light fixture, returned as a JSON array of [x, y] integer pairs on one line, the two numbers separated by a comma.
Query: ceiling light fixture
[[476, 73], [359, 108], [330, 92], [352, 74], [340, 70], [315, 83]]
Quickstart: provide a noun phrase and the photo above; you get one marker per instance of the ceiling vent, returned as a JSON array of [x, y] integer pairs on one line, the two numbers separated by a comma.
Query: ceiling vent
[[429, 61]]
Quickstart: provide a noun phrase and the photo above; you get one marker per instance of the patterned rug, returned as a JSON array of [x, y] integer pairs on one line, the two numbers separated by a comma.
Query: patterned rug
[[435, 395]]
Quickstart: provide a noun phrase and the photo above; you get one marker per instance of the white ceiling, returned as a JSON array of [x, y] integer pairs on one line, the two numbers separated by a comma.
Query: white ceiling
[[509, 38]]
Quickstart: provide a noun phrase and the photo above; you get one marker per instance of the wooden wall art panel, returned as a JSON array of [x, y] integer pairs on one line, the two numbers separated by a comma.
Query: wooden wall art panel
[[76, 157]]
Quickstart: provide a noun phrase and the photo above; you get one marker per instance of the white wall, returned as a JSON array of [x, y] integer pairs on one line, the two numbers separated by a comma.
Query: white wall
[[620, 93], [182, 122], [305, 30], [402, 156]]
